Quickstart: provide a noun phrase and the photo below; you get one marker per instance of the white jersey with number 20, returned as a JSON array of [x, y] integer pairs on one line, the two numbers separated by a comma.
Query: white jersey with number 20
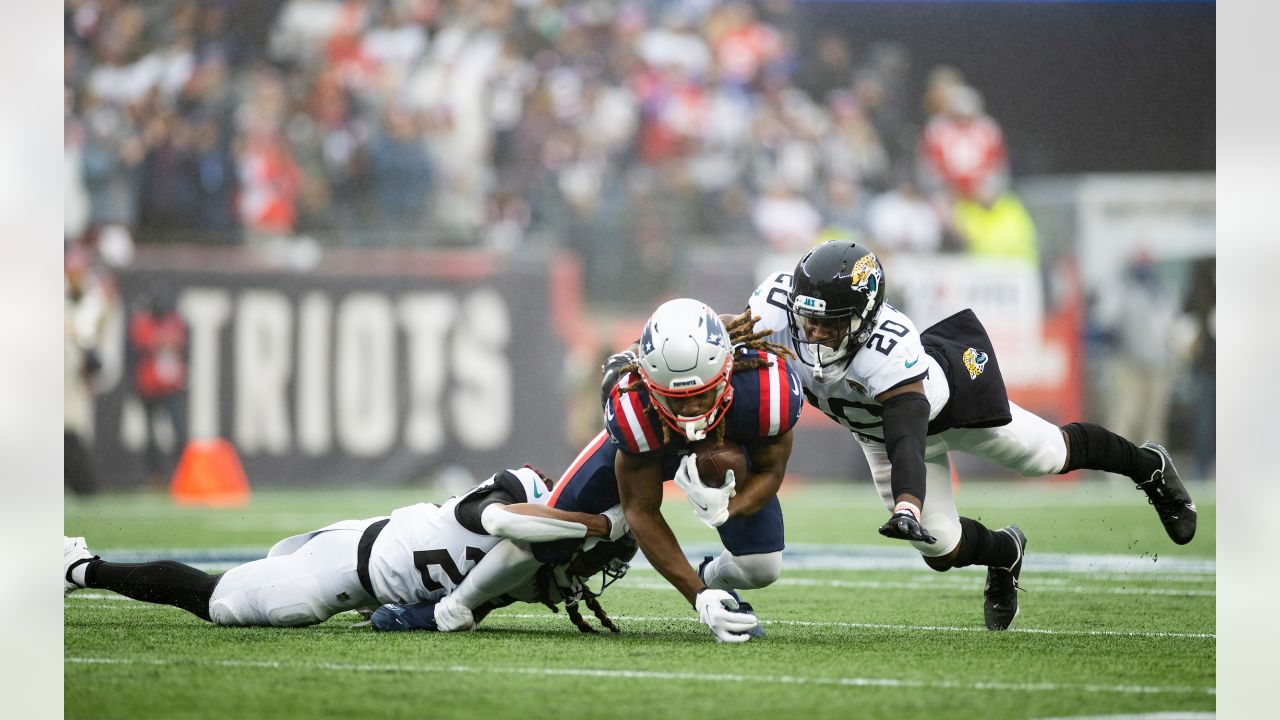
[[846, 392]]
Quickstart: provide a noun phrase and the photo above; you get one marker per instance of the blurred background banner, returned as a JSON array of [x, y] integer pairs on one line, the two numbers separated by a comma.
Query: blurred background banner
[[383, 367], [385, 240]]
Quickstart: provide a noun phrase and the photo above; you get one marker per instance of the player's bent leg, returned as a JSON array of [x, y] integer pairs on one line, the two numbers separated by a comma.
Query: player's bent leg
[[741, 572], [1029, 445], [1150, 467]]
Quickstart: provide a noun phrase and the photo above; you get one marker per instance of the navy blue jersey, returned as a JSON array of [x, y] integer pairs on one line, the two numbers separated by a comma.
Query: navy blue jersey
[[766, 402]]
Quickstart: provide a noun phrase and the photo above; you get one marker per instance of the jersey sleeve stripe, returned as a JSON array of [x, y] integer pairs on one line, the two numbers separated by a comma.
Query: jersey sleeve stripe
[[768, 398], [784, 391], [619, 413], [634, 424], [577, 463]]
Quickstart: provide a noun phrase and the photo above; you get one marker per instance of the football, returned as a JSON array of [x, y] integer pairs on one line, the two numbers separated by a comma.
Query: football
[[714, 460]]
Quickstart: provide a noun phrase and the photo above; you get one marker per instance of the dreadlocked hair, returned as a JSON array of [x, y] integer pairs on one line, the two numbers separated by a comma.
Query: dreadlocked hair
[[543, 582]]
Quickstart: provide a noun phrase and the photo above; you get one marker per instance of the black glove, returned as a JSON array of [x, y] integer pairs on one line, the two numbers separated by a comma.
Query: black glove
[[904, 526], [611, 370]]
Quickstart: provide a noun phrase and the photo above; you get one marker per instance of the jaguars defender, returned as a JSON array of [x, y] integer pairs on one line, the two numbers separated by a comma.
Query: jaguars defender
[[418, 554], [911, 397]]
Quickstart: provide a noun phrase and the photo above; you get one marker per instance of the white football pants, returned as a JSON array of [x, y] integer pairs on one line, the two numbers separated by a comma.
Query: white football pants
[[1029, 445], [306, 586]]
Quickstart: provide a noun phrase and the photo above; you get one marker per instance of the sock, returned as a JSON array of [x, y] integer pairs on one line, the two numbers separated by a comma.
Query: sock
[[165, 582], [505, 568], [981, 546], [1093, 447], [742, 572], [78, 572]]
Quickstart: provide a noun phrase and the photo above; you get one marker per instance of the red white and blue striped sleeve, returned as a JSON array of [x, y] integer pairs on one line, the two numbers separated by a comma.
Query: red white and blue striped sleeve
[[779, 396], [627, 422]]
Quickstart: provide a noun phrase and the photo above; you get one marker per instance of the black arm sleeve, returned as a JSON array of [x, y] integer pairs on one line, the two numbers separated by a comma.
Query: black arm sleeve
[[906, 423], [506, 490]]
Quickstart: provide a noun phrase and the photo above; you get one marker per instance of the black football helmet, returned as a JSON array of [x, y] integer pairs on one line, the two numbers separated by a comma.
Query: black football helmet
[[836, 280]]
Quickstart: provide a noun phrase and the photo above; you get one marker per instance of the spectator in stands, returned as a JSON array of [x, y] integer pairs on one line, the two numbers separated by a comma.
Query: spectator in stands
[[1201, 309], [1142, 315], [1000, 229], [157, 358], [903, 221], [962, 151], [401, 174], [87, 296]]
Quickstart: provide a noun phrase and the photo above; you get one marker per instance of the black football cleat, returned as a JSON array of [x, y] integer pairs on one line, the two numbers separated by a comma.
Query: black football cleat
[[1166, 492], [1000, 596], [398, 617]]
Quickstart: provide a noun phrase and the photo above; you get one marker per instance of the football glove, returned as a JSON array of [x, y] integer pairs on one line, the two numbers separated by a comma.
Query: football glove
[[617, 522], [718, 610], [452, 616], [611, 369], [711, 505], [903, 525]]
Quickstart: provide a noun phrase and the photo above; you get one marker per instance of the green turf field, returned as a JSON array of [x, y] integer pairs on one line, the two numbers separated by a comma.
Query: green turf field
[[1115, 620]]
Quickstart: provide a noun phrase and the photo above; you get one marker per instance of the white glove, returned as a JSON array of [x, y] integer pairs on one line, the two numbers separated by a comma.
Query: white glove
[[617, 522], [452, 616], [716, 609], [711, 505]]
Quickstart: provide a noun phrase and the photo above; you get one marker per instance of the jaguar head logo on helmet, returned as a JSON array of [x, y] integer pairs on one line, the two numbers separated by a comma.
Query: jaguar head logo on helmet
[[686, 363], [835, 300]]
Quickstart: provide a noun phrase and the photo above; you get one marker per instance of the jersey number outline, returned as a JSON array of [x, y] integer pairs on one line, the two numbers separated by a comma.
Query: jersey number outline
[[885, 345], [786, 296], [424, 559], [837, 409]]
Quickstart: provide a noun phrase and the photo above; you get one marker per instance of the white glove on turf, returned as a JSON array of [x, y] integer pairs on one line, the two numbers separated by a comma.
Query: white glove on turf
[[716, 609], [711, 505]]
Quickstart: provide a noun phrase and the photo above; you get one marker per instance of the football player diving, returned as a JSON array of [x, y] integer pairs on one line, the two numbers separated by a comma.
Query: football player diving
[[912, 397], [689, 379], [418, 554]]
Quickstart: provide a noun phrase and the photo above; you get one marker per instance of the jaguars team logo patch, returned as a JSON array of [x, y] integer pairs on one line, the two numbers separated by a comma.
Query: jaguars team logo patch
[[856, 387], [975, 361], [866, 274]]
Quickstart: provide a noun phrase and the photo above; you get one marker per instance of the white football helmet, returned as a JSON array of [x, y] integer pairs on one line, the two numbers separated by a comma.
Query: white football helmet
[[684, 353]]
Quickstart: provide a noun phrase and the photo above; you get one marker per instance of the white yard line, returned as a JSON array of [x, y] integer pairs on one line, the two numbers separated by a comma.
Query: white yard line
[[652, 675], [906, 628], [120, 602]]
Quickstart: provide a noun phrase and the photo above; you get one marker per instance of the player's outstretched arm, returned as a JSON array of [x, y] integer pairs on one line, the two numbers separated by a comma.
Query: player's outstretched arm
[[532, 522], [906, 427], [640, 488]]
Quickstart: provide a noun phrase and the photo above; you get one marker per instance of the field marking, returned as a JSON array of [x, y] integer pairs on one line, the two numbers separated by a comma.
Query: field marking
[[123, 603], [908, 628], [795, 557], [654, 675], [1029, 586]]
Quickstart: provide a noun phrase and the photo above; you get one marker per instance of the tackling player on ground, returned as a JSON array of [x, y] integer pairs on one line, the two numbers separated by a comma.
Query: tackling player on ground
[[420, 553], [911, 397]]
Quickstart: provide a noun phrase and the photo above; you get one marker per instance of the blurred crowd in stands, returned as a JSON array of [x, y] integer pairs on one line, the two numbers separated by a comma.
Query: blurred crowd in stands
[[619, 128], [623, 130]]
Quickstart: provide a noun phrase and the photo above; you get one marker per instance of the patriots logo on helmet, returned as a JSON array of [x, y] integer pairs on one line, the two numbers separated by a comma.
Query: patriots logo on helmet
[[715, 331], [975, 361], [646, 340]]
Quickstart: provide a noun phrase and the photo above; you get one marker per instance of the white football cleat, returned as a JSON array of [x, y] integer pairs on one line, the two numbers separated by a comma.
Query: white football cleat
[[74, 552]]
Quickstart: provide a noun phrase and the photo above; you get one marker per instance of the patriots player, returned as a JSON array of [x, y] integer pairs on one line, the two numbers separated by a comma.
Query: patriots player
[[419, 553], [911, 397], [690, 378]]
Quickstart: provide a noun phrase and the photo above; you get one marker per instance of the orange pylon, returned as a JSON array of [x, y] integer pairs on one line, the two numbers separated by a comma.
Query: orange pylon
[[210, 473]]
